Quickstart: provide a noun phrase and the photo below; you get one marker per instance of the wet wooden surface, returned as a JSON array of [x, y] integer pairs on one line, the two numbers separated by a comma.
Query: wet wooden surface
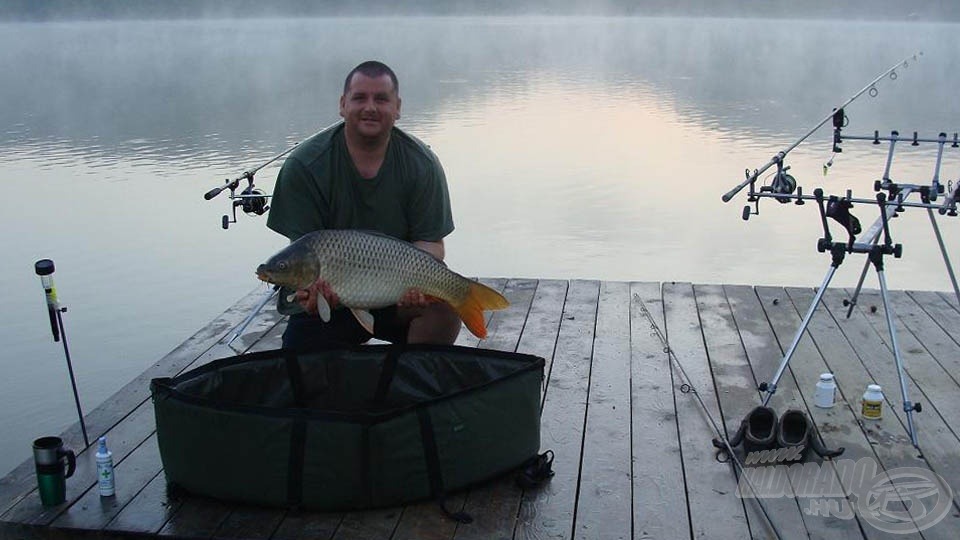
[[632, 443]]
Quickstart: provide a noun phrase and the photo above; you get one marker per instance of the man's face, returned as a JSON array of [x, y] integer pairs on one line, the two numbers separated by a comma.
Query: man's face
[[371, 106]]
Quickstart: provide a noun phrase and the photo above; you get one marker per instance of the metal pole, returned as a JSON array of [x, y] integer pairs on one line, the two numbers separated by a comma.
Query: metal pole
[[253, 314], [943, 251], [45, 268], [73, 380], [872, 235], [908, 407], [771, 387]]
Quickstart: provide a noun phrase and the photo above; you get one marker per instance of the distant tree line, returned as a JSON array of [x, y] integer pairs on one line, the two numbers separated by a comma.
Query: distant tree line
[[44, 10]]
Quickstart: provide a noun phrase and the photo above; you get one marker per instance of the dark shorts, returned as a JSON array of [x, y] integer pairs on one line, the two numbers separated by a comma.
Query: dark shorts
[[305, 332]]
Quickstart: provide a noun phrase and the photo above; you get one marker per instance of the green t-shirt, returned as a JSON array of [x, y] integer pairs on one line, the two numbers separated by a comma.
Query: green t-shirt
[[319, 188]]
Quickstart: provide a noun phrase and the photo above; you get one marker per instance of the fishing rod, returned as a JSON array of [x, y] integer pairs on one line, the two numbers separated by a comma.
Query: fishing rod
[[688, 385], [836, 116], [253, 200], [45, 268]]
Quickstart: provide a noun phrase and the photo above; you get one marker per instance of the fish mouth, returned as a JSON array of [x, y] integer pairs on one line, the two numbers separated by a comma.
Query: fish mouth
[[263, 274]]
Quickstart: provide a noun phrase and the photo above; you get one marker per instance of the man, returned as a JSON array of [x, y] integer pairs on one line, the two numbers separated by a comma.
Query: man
[[366, 174]]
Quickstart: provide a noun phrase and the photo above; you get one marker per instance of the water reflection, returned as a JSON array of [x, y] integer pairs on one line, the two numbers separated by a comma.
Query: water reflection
[[576, 148]]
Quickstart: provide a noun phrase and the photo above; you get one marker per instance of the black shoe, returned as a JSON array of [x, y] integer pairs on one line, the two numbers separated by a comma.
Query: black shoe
[[757, 431], [797, 431]]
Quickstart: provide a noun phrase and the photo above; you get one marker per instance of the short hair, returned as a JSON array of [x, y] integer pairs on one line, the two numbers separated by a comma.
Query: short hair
[[372, 68]]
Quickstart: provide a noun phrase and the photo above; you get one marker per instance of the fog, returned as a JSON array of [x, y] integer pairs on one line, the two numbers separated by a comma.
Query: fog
[[219, 88], [926, 10]]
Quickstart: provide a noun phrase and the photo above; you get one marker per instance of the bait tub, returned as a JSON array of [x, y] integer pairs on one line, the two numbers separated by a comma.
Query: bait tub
[[346, 429]]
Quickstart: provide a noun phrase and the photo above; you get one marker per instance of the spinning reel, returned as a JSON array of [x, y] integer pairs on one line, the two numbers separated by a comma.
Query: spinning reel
[[252, 200]]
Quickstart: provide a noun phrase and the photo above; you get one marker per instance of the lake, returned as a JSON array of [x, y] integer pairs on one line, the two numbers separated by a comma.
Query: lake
[[574, 148]]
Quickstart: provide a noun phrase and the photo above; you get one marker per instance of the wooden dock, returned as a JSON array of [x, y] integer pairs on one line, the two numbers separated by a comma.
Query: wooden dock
[[633, 452]]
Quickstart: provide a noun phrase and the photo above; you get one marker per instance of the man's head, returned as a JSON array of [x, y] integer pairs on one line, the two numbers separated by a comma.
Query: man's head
[[370, 103]]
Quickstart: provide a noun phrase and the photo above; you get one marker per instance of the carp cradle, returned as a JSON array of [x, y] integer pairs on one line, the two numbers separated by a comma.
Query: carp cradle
[[346, 429]]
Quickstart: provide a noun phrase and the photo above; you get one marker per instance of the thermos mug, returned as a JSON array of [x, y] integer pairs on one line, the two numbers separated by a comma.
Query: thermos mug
[[52, 469]]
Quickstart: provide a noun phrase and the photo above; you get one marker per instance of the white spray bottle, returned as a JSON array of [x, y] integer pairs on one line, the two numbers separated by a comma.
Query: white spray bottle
[[105, 469]]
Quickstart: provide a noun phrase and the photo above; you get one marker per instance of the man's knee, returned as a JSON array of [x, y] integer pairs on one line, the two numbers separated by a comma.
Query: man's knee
[[437, 324]]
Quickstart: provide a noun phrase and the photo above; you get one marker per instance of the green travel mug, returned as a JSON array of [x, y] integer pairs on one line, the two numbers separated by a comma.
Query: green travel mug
[[52, 469]]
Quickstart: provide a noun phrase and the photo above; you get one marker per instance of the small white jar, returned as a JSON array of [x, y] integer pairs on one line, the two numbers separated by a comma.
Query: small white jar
[[824, 396]]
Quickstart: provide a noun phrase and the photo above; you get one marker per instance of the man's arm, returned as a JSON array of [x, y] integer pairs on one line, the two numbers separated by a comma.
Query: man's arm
[[433, 248]]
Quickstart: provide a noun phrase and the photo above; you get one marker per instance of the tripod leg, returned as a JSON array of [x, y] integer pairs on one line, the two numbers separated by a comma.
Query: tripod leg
[[856, 293], [771, 387], [908, 407], [943, 251]]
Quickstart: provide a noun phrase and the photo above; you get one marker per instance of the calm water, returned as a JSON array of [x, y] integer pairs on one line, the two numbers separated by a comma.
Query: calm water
[[575, 148]]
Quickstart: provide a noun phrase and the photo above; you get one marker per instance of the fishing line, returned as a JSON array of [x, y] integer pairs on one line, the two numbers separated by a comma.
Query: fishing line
[[836, 115], [688, 388]]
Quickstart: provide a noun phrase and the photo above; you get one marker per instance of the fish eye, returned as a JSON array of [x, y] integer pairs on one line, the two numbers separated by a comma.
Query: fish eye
[[282, 265]]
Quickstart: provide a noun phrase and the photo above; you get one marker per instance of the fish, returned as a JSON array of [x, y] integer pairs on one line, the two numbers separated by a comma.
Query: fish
[[369, 270]]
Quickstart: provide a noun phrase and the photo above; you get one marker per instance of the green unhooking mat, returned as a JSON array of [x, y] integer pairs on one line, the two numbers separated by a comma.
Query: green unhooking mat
[[348, 429]]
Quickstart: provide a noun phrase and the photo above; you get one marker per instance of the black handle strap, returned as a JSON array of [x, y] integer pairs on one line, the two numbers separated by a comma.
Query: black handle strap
[[298, 432], [387, 373], [432, 457]]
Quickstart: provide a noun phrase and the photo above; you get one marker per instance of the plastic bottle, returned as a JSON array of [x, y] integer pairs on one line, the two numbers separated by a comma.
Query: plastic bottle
[[105, 469], [826, 391], [872, 408]]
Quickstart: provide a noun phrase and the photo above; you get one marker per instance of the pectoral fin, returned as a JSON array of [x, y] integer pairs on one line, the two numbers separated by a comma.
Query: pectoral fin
[[364, 317], [323, 308]]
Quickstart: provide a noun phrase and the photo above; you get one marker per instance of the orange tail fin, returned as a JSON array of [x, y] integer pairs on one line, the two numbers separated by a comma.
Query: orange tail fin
[[479, 298]]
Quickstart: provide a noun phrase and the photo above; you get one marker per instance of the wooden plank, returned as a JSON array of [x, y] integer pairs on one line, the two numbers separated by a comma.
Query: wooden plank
[[123, 439], [833, 424], [887, 436], [659, 499], [938, 443], [738, 394], [604, 507], [548, 512], [370, 524], [21, 481], [942, 312], [943, 348], [951, 299], [494, 505], [705, 478], [302, 525], [540, 331], [765, 354], [939, 388], [249, 522], [197, 517], [133, 473], [148, 511]]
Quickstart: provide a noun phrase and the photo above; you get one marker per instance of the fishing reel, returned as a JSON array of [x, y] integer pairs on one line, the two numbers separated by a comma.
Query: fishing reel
[[782, 188], [251, 200]]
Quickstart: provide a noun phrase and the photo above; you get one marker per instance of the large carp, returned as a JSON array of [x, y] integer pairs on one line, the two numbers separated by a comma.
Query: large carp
[[369, 270]]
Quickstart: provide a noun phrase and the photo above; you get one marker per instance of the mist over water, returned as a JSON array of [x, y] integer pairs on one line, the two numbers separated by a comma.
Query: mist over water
[[584, 147]]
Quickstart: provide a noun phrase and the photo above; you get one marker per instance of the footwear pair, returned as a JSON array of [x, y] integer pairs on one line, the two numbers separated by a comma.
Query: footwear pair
[[761, 430]]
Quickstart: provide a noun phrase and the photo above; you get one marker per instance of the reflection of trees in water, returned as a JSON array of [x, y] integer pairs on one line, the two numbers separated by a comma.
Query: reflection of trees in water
[[252, 86]]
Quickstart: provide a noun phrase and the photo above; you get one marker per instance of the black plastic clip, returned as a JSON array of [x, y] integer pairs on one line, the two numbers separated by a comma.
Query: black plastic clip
[[536, 470]]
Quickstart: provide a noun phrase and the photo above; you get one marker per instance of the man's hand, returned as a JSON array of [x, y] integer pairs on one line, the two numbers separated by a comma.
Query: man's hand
[[413, 298], [307, 298]]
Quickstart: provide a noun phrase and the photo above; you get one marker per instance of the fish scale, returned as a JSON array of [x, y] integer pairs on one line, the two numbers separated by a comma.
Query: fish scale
[[372, 270]]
